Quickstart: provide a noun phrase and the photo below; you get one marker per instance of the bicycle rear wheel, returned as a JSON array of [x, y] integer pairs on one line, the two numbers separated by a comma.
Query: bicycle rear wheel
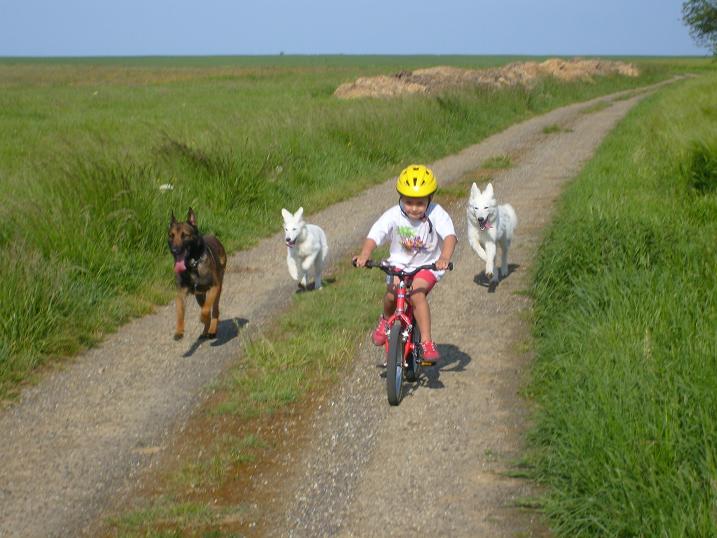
[[394, 366]]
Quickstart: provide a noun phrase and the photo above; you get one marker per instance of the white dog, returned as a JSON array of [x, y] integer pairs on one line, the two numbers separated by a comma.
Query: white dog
[[489, 225], [307, 247]]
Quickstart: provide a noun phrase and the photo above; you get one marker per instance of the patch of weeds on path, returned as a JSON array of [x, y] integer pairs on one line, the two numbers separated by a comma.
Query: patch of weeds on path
[[498, 162], [597, 107], [555, 128], [165, 513], [624, 97]]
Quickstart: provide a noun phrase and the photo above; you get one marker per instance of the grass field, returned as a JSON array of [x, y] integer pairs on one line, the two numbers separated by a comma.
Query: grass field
[[626, 329], [86, 143]]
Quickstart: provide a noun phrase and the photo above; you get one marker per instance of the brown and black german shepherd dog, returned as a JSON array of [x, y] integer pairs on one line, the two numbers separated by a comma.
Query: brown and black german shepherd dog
[[199, 263]]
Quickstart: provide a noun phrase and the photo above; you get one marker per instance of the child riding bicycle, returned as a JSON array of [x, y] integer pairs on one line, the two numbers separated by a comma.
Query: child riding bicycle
[[421, 232]]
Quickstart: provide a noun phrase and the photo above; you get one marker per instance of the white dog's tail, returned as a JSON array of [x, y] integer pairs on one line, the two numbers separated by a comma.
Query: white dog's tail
[[324, 245]]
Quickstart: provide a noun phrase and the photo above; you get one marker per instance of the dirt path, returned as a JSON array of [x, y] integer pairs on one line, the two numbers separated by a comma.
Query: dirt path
[[78, 439]]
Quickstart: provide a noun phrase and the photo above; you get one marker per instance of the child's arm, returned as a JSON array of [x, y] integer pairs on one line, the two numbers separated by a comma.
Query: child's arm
[[449, 244], [368, 246]]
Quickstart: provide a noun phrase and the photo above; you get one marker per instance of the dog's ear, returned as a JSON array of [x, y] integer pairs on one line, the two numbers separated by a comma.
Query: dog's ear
[[475, 191], [286, 214], [488, 190], [299, 213], [174, 219], [191, 217]]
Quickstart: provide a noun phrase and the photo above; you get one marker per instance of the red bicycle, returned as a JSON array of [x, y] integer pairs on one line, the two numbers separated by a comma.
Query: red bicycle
[[403, 342]]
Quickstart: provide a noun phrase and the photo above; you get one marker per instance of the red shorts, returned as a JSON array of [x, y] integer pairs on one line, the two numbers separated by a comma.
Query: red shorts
[[424, 274]]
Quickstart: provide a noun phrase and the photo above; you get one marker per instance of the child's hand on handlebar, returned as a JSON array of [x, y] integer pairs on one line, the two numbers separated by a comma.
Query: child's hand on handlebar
[[360, 261], [442, 264]]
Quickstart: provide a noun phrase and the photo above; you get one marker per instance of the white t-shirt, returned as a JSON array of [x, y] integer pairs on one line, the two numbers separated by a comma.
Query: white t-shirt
[[413, 242]]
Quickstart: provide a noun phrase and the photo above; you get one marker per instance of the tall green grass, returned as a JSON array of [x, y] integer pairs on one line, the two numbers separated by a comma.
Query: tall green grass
[[626, 326], [85, 146]]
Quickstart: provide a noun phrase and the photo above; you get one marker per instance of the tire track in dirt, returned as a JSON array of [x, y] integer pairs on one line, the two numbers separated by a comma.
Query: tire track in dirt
[[78, 439]]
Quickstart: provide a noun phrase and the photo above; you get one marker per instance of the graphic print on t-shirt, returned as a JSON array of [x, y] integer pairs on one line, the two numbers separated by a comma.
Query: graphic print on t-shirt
[[409, 240]]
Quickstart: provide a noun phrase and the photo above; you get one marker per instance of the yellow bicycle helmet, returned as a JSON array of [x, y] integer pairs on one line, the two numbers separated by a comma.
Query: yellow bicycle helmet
[[416, 181]]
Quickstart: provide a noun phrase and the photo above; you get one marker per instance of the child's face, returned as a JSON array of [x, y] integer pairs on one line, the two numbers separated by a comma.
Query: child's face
[[415, 207]]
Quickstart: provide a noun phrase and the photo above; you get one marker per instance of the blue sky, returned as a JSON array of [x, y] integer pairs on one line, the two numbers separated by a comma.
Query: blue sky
[[181, 27]]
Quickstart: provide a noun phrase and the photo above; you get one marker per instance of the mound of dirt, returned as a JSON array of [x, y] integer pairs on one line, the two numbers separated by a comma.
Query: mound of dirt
[[438, 79]]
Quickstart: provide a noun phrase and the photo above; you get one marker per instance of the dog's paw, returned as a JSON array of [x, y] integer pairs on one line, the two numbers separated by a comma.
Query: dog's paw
[[488, 275], [207, 336], [178, 336]]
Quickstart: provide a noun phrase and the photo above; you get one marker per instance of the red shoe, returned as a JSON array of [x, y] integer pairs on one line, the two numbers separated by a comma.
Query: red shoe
[[379, 333], [430, 353]]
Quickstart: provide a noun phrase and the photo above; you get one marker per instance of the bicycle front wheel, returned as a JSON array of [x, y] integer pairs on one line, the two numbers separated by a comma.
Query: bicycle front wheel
[[394, 365], [414, 367]]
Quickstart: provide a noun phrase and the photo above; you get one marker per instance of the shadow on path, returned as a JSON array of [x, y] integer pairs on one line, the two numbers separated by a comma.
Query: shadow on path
[[452, 360], [227, 330], [482, 280]]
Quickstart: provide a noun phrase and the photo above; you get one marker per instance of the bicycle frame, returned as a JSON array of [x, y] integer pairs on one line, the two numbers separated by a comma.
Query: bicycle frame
[[403, 313]]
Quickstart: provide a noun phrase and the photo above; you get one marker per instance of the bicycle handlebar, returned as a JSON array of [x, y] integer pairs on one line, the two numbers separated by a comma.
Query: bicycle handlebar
[[386, 268]]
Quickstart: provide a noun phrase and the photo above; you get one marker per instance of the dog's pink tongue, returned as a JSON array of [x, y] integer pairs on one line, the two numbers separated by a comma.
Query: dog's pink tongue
[[179, 266]]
